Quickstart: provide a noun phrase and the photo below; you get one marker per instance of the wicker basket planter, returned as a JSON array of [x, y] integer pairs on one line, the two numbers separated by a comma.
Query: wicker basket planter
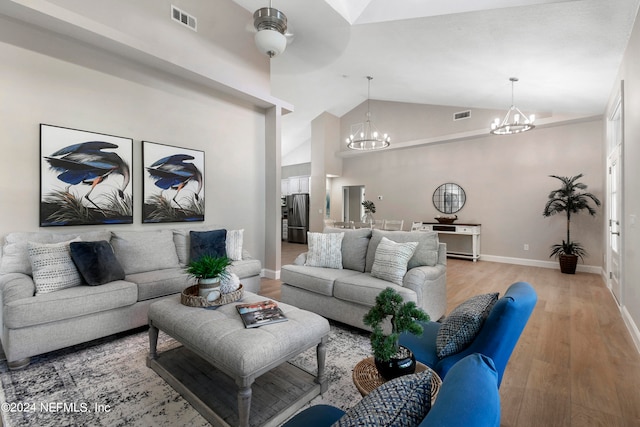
[[568, 263], [191, 298]]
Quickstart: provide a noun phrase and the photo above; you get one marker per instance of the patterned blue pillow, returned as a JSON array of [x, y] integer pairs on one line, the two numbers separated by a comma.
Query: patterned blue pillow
[[461, 327], [403, 401]]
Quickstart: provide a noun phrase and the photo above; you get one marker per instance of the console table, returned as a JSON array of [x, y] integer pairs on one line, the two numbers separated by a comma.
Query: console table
[[471, 230]]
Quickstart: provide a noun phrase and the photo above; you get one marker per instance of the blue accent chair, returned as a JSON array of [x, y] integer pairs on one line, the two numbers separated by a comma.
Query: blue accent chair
[[497, 337], [468, 397]]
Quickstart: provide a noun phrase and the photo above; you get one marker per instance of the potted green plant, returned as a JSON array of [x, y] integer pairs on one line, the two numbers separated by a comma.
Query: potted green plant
[[209, 270], [570, 198], [392, 359]]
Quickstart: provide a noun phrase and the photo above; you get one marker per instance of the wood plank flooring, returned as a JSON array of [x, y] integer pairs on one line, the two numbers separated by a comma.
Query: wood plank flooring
[[575, 363]]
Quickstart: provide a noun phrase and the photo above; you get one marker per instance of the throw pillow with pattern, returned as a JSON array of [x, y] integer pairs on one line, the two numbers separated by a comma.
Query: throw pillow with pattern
[[52, 266], [461, 327], [401, 402], [325, 250], [234, 244], [391, 260]]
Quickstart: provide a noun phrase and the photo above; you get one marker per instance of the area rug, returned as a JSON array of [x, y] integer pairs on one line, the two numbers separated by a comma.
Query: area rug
[[107, 383]]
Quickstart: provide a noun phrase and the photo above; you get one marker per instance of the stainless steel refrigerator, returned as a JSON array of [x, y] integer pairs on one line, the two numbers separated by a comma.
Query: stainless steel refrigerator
[[297, 217]]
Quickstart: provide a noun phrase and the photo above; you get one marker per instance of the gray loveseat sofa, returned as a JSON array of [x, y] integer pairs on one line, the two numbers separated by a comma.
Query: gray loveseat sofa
[[34, 322], [346, 294]]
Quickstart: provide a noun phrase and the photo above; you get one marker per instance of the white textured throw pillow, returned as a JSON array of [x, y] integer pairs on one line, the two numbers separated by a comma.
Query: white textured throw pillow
[[234, 244], [325, 250], [391, 260], [52, 266]]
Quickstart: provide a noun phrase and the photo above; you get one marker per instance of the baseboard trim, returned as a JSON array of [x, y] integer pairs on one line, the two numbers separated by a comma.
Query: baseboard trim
[[631, 326], [595, 269], [270, 274]]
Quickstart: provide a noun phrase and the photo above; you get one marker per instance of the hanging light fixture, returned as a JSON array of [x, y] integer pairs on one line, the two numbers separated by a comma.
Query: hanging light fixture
[[515, 121], [367, 137], [271, 26]]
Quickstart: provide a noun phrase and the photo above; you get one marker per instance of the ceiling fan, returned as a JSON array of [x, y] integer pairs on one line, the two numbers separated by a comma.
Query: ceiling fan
[[272, 32]]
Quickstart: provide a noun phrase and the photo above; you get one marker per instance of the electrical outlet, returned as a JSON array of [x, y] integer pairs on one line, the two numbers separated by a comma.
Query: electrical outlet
[[379, 197], [526, 246]]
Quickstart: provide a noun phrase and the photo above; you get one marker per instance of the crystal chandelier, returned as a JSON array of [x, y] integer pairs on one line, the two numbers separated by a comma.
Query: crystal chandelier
[[367, 137], [515, 121]]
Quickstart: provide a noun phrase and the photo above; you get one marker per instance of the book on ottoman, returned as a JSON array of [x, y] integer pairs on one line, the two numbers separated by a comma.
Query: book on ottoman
[[260, 313]]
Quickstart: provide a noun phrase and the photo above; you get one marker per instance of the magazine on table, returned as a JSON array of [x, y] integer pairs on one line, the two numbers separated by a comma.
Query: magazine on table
[[260, 313]]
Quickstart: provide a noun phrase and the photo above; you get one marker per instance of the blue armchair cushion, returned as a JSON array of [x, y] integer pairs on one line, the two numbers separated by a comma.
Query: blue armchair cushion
[[212, 243], [96, 262], [468, 396], [403, 401], [316, 416], [463, 324]]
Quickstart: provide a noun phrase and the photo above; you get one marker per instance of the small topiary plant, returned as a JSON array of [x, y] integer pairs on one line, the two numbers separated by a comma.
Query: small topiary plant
[[404, 318]]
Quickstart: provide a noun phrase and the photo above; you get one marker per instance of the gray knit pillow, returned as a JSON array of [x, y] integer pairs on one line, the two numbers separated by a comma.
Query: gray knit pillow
[[234, 244], [461, 327], [325, 250], [53, 268], [391, 260]]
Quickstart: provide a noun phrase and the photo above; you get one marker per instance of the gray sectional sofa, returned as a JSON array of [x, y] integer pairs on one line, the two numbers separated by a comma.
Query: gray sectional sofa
[[153, 263], [346, 294]]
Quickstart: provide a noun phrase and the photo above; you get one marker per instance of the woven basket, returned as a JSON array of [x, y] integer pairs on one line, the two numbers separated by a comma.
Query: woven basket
[[191, 298]]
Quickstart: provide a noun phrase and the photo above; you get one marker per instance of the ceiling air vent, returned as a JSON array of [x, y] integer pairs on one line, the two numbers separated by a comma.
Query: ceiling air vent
[[184, 18], [462, 115]]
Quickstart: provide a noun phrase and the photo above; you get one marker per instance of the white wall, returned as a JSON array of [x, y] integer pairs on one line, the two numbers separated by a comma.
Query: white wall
[[77, 86], [505, 179], [630, 73]]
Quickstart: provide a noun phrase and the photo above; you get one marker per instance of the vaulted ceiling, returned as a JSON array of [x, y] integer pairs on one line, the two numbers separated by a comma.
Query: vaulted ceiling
[[565, 53]]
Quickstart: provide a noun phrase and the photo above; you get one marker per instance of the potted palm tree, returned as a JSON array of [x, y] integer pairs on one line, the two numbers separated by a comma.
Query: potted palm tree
[[570, 198], [391, 359], [209, 270]]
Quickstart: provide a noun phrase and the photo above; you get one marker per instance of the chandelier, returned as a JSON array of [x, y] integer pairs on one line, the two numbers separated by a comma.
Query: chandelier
[[515, 121], [271, 26], [367, 137]]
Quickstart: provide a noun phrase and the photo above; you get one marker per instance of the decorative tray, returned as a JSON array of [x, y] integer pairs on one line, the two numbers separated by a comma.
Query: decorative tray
[[191, 298]]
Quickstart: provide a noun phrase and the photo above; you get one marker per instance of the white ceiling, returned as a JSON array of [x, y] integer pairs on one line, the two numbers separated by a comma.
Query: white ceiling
[[457, 53]]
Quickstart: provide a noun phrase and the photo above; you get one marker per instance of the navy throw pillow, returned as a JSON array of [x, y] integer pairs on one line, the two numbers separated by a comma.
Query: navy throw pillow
[[212, 243], [96, 262]]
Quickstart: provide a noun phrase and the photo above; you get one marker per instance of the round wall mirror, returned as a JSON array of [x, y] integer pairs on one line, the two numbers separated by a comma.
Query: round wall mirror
[[449, 198]]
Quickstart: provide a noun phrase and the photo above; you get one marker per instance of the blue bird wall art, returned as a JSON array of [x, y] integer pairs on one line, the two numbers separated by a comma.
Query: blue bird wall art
[[175, 172], [88, 163]]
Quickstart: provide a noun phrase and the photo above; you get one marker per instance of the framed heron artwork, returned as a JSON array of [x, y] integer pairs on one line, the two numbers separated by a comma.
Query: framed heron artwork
[[85, 177], [173, 188]]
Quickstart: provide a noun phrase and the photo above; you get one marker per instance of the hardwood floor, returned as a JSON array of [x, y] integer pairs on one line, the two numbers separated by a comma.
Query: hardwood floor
[[575, 363]]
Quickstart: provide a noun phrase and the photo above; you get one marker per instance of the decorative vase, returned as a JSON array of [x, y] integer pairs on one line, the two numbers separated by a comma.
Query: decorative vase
[[403, 363], [568, 263], [368, 219], [205, 286]]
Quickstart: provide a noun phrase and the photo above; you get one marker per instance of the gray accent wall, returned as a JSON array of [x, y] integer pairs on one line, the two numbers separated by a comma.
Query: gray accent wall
[[506, 180], [46, 78]]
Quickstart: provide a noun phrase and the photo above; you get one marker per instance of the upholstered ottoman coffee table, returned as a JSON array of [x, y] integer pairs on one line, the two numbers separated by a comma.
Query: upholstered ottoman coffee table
[[220, 358]]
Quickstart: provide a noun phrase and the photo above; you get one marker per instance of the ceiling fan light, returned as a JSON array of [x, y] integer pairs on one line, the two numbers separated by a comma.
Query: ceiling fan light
[[271, 25], [270, 42]]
